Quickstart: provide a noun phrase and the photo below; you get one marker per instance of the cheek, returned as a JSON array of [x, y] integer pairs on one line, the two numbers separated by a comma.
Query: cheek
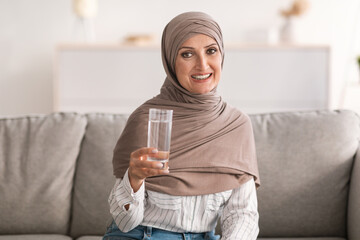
[[182, 69], [217, 68], [177, 68], [181, 72]]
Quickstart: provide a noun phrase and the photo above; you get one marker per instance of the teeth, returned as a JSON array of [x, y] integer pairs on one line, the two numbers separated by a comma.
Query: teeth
[[201, 77]]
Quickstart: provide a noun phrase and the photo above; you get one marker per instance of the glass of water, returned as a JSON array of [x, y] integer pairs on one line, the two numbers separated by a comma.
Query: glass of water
[[159, 134]]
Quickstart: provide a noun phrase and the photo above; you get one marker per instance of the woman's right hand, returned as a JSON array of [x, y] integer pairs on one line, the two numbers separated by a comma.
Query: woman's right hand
[[140, 168]]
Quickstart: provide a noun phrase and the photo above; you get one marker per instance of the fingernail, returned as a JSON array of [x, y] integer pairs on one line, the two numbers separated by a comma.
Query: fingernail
[[159, 165], [154, 151]]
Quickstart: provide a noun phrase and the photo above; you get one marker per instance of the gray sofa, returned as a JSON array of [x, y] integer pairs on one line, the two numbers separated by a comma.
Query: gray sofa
[[56, 174]]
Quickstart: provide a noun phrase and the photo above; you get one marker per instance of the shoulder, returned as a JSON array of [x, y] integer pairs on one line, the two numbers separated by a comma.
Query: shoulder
[[235, 111], [137, 114]]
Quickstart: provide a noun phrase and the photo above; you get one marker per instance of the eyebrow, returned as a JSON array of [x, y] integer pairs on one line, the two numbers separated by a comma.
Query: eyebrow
[[204, 47]]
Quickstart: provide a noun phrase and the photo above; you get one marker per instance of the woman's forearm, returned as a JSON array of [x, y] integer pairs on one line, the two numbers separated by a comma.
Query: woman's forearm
[[134, 182]]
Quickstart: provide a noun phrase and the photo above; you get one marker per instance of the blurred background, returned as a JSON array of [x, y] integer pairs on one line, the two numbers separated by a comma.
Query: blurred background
[[53, 50]]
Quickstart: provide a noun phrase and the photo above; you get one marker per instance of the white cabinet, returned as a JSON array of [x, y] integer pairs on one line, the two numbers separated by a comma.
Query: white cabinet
[[255, 79]]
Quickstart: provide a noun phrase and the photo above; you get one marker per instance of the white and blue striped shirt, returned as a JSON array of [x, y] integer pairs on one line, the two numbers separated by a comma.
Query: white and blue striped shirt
[[237, 209]]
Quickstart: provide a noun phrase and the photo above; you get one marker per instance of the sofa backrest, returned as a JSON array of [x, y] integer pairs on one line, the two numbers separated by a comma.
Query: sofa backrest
[[94, 177], [305, 162], [37, 164]]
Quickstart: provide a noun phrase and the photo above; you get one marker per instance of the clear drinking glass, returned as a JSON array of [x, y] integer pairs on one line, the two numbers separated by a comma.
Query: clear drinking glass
[[159, 133]]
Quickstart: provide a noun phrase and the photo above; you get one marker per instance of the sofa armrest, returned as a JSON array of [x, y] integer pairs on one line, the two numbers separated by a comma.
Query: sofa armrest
[[354, 200]]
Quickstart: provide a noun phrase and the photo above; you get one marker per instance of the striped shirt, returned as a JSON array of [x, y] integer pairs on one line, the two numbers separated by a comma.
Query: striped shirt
[[236, 208]]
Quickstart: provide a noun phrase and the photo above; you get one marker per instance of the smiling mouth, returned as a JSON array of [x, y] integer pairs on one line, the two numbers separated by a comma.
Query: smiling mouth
[[201, 77]]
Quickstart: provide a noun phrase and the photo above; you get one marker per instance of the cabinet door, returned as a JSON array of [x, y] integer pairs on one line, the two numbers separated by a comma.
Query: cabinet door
[[263, 80], [115, 80], [253, 79]]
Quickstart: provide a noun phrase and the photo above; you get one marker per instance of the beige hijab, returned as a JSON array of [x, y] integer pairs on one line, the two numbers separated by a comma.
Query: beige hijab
[[212, 144]]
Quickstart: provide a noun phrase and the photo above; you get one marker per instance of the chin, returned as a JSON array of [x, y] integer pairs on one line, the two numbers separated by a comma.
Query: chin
[[202, 91]]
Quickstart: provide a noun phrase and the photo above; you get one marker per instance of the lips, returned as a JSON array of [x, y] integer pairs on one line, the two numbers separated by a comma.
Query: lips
[[201, 77]]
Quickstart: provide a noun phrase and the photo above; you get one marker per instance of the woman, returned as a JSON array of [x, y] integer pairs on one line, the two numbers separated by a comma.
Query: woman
[[213, 168]]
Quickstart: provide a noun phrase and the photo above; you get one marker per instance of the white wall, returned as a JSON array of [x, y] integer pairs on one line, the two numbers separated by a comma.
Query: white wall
[[30, 30]]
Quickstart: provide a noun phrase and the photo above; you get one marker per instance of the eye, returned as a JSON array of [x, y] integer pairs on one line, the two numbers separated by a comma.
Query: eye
[[186, 54], [211, 51]]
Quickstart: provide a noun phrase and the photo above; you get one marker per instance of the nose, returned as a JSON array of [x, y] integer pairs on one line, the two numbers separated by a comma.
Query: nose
[[202, 62]]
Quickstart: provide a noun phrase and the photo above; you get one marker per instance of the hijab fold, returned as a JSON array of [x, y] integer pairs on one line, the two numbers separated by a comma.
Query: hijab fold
[[212, 144]]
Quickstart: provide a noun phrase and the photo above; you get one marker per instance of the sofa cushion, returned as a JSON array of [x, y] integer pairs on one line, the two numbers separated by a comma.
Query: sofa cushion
[[90, 238], [35, 237], [94, 175], [37, 162], [354, 200], [305, 161]]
